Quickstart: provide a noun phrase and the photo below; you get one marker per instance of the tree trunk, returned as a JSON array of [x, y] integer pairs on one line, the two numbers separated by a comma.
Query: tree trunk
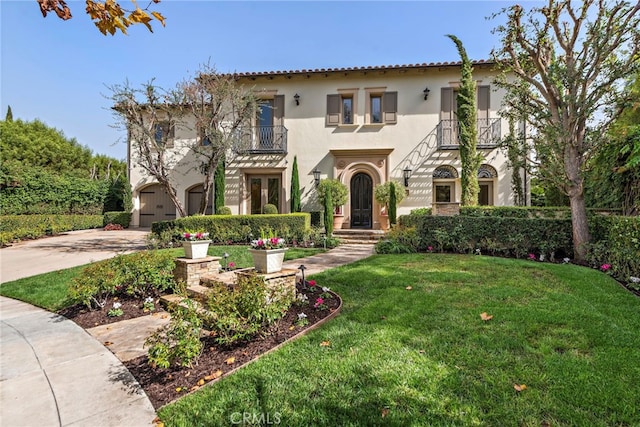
[[580, 227], [174, 198]]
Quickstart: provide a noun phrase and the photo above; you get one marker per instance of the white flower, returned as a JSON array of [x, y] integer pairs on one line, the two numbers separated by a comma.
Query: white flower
[[478, 251], [117, 305], [325, 289], [302, 297], [148, 300], [302, 316], [634, 279], [566, 260], [541, 257]]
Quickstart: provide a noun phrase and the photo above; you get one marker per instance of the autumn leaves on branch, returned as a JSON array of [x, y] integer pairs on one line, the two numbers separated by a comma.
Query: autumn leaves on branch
[[107, 15]]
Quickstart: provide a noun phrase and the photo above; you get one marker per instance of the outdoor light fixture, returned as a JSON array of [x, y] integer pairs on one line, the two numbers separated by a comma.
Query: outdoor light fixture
[[316, 176], [302, 268], [426, 93], [226, 260], [406, 174], [296, 97]]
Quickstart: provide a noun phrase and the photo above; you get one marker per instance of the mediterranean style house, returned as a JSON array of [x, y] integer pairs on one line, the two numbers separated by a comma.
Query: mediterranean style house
[[361, 125]]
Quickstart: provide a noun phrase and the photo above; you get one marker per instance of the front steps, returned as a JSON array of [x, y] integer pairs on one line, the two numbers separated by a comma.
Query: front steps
[[358, 236]]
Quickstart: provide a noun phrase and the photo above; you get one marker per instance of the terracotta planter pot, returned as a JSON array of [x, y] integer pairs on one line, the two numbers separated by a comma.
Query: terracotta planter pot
[[384, 222], [268, 261], [195, 249], [338, 220]]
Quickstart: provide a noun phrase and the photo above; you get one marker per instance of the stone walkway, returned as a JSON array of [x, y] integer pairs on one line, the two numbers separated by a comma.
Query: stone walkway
[[54, 373]]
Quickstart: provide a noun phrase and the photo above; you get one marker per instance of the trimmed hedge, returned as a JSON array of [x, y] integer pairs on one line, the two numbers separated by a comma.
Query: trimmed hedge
[[18, 227], [122, 218], [527, 211], [225, 229]]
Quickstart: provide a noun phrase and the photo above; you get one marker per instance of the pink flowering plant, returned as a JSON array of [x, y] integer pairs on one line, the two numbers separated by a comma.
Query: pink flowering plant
[[268, 242], [605, 267], [191, 236]]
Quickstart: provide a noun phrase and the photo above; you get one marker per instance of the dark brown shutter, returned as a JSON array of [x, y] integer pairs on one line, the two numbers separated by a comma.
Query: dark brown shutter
[[390, 107], [278, 110], [333, 110], [484, 102], [446, 110]]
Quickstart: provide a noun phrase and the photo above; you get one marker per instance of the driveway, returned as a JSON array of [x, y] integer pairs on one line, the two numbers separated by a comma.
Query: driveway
[[70, 249]]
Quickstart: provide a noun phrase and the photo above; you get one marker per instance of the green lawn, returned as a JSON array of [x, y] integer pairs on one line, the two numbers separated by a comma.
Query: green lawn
[[51, 290], [424, 357]]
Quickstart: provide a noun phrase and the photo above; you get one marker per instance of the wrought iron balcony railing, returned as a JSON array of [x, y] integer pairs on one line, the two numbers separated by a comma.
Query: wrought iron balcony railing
[[262, 140], [489, 133]]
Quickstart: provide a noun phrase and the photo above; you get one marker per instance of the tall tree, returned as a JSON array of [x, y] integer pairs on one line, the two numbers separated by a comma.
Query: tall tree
[[219, 187], [9, 116], [568, 64], [109, 16], [295, 187], [150, 116], [221, 110], [468, 129]]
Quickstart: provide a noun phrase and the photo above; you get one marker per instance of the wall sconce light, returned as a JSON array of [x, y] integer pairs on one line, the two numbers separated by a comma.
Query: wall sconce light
[[406, 174], [316, 176], [296, 98], [426, 93]]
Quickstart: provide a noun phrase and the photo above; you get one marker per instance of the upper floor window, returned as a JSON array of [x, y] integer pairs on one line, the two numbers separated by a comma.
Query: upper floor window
[[342, 108], [163, 134], [381, 107]]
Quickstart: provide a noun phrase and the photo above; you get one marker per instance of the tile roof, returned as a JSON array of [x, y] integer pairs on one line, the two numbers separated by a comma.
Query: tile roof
[[349, 69]]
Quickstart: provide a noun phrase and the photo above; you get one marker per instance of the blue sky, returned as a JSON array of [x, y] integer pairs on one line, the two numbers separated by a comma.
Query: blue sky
[[59, 71]]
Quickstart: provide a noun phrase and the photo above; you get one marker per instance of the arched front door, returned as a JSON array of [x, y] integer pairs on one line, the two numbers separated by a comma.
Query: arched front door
[[361, 201]]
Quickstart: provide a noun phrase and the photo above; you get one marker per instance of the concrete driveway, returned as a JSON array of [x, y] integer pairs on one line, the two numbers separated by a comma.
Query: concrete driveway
[[70, 249]]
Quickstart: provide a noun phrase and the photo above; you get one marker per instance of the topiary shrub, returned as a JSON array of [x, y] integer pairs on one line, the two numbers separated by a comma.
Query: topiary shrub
[[223, 210], [122, 218], [269, 209]]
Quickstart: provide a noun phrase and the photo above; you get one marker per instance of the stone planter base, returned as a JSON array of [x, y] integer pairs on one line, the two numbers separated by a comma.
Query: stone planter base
[[191, 270], [280, 283]]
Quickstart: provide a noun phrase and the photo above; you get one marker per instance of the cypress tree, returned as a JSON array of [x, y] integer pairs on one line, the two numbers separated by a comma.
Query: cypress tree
[[9, 116], [295, 187], [219, 183], [392, 204]]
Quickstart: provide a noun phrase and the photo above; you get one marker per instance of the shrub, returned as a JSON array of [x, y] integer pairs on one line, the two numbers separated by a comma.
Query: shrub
[[178, 342], [225, 229], [269, 209], [139, 274], [19, 227], [223, 210], [382, 193], [400, 240], [240, 312], [338, 192], [122, 218]]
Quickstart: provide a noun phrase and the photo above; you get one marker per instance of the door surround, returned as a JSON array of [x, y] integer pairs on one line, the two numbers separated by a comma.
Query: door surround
[[373, 162]]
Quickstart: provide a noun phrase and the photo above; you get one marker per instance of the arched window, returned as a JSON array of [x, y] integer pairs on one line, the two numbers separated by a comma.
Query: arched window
[[444, 184], [487, 177]]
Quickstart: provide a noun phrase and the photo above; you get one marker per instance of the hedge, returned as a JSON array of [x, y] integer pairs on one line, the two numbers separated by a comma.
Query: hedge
[[527, 211], [227, 229], [18, 227], [122, 218]]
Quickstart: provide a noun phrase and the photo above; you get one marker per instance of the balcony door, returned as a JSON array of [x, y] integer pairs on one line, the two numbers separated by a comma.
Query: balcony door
[[264, 189], [265, 124], [361, 201]]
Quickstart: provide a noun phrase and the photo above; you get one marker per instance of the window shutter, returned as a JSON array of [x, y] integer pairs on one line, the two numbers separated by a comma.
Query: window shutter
[[484, 103], [333, 110], [390, 107], [278, 110], [446, 110]]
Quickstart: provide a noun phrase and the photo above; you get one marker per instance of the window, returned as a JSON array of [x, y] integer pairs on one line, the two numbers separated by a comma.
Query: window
[[163, 134], [487, 175], [444, 184], [444, 193], [381, 107], [342, 108], [264, 189]]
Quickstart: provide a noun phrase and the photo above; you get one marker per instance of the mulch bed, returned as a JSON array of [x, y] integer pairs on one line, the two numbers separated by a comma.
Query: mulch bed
[[163, 386], [86, 318]]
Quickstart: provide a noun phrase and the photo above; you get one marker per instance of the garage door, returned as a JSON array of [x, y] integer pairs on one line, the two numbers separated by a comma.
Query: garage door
[[155, 205], [193, 203]]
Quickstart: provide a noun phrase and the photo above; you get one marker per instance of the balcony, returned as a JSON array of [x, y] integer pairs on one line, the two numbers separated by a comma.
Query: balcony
[[489, 134], [262, 140]]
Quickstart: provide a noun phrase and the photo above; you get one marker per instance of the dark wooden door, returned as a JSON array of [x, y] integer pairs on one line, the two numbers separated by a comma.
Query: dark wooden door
[[361, 201]]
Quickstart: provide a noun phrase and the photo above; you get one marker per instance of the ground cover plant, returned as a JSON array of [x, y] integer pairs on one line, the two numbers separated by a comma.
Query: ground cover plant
[[435, 339]]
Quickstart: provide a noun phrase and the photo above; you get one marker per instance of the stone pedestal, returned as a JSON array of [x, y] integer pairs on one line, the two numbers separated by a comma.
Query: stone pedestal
[[191, 270], [446, 209], [282, 282]]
